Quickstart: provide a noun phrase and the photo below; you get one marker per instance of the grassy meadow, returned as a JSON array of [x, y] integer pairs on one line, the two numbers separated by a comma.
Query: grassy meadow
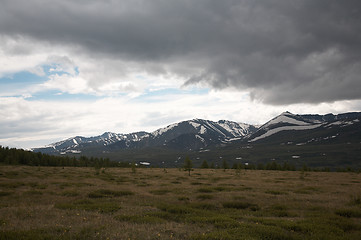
[[120, 203]]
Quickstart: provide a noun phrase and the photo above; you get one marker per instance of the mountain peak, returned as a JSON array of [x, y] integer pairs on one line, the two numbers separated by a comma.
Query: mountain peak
[[107, 134], [284, 121], [286, 118], [287, 113]]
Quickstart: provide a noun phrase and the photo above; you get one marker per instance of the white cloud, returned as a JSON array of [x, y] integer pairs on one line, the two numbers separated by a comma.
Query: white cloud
[[73, 71], [21, 61], [62, 64], [127, 92], [66, 83]]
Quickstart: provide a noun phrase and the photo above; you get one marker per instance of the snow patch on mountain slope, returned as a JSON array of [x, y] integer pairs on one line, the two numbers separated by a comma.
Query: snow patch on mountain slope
[[334, 123], [163, 130], [200, 138], [236, 129], [285, 118], [231, 128], [233, 139], [194, 124], [276, 130], [342, 123], [214, 128], [203, 130]]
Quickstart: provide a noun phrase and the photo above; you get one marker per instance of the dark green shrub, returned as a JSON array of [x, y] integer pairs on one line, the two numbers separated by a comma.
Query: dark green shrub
[[205, 206], [356, 213], [204, 196], [205, 190], [87, 205], [160, 191], [5, 193], [105, 193], [145, 219], [241, 205]]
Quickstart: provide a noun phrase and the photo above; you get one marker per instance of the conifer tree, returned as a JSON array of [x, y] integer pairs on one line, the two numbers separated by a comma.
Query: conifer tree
[[225, 165], [204, 164], [212, 165], [188, 165]]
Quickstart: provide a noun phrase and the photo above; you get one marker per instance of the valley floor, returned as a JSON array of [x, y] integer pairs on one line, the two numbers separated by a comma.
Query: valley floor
[[118, 203]]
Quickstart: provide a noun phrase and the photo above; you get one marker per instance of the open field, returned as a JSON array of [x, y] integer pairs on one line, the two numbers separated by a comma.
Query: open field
[[84, 203]]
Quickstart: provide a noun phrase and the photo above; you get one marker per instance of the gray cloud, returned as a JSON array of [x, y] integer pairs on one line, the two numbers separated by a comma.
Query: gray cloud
[[282, 51]]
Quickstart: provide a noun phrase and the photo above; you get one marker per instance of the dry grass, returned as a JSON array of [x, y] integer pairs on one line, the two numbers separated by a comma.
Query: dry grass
[[78, 203]]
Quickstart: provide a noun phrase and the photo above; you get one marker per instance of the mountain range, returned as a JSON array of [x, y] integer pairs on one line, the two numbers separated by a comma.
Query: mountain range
[[187, 135], [308, 139]]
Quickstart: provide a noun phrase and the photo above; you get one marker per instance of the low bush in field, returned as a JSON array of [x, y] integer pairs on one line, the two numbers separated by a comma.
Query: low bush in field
[[277, 210], [183, 198], [355, 200], [205, 190], [220, 189], [218, 221], [356, 213], [69, 193], [33, 192], [11, 185], [196, 213], [160, 191], [175, 209], [140, 219], [206, 206], [248, 231], [106, 193], [204, 196], [241, 205], [196, 183], [88, 205], [274, 192], [53, 233], [306, 190], [31, 234], [212, 189], [5, 193]]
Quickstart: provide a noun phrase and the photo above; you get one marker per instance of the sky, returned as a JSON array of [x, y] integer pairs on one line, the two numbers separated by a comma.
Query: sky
[[83, 67]]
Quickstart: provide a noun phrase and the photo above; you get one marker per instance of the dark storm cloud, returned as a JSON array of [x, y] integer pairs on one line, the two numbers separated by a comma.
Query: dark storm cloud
[[282, 51]]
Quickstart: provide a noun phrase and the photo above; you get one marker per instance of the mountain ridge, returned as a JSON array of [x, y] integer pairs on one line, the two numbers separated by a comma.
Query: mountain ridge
[[295, 122], [318, 140], [203, 132]]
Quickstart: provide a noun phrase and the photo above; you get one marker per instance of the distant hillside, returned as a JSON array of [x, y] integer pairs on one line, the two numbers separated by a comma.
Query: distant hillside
[[183, 136], [319, 141], [13, 156]]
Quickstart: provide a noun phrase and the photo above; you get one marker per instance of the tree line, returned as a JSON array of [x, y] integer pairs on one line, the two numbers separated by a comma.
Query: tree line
[[260, 166], [285, 166], [13, 156]]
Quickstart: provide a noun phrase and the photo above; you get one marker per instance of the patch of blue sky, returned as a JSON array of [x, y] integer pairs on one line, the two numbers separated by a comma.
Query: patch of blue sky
[[57, 69], [56, 95], [31, 78], [12, 83], [17, 83], [23, 77]]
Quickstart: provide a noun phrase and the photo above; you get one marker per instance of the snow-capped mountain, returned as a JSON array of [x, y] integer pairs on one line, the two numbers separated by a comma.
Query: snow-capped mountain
[[203, 136], [76, 144], [198, 133], [186, 135], [292, 122], [285, 121]]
